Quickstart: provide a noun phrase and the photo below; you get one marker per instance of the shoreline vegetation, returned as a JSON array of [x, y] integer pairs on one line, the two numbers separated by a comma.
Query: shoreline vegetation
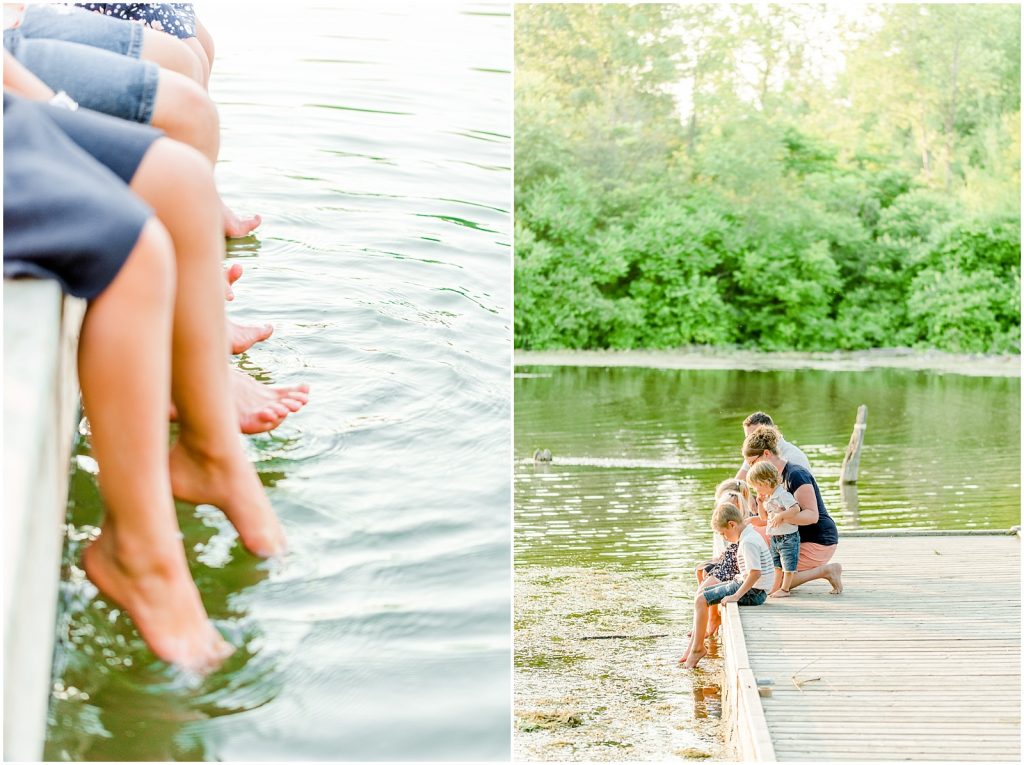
[[976, 365], [771, 177]]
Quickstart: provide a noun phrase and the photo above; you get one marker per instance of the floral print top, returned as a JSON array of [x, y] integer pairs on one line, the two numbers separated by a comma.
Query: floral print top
[[178, 19]]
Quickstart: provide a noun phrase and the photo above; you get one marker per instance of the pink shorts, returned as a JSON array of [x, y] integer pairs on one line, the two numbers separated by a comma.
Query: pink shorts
[[813, 555]]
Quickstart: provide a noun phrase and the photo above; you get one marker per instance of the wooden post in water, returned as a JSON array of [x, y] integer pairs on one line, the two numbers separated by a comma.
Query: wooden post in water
[[851, 462]]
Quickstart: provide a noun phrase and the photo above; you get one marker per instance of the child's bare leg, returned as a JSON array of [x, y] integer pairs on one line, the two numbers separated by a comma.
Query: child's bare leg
[[714, 620], [206, 40], [782, 590], [776, 582], [207, 463], [185, 112], [697, 650], [200, 54], [171, 53], [138, 560]]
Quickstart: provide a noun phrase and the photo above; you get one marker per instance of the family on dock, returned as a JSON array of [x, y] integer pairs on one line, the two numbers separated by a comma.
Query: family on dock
[[110, 139], [771, 533]]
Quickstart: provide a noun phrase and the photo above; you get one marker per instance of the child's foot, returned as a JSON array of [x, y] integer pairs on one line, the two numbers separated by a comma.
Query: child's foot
[[244, 336], [779, 593], [230, 483], [834, 574], [154, 587], [695, 656], [713, 626], [261, 407], [231, 275], [236, 225]]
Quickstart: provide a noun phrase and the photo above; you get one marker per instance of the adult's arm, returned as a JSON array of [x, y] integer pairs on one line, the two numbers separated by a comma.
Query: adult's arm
[[20, 80], [804, 513]]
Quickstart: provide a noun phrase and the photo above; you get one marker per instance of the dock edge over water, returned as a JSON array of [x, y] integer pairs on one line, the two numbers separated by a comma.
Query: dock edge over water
[[41, 398], [749, 729]]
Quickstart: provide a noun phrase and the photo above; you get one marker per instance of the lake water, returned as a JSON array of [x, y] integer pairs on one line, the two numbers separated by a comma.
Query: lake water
[[627, 499], [375, 140]]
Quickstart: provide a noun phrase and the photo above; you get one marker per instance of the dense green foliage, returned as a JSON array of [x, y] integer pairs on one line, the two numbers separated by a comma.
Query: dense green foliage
[[778, 177]]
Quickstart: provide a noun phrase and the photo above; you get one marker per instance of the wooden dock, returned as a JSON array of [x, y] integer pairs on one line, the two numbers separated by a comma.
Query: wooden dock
[[40, 406], [918, 659]]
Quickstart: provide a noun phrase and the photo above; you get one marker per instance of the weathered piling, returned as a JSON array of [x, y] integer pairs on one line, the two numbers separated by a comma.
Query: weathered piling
[[851, 460]]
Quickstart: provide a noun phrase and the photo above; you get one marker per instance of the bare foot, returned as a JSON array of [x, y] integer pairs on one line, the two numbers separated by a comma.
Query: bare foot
[[713, 627], [695, 656], [156, 590], [779, 593], [834, 574], [236, 225], [231, 275], [230, 483], [245, 336], [260, 407]]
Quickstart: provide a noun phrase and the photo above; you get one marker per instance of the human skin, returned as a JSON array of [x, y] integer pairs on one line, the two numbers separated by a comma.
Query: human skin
[[804, 513], [138, 560]]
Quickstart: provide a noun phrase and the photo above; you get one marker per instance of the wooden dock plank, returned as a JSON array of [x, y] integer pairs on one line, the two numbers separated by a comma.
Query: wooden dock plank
[[918, 659]]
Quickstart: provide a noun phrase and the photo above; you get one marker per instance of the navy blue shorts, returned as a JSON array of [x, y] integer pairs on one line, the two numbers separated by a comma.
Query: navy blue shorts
[[68, 212]]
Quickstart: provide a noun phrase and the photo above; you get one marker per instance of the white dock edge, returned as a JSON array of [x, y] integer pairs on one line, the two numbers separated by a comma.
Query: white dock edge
[[746, 728], [40, 408]]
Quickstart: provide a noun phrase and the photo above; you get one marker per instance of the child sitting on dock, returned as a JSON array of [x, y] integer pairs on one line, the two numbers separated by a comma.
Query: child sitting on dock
[[784, 538], [755, 567]]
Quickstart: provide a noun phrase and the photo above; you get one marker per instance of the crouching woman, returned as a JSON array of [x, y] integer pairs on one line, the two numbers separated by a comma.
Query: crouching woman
[[749, 588]]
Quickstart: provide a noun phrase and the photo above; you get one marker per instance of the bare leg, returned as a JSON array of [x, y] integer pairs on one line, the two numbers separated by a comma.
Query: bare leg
[[206, 40], [714, 620], [207, 463], [696, 650], [138, 560], [783, 583], [171, 53], [833, 572], [185, 112], [200, 54]]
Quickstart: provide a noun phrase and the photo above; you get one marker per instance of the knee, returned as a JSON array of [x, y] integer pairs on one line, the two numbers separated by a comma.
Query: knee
[[172, 54], [191, 109]]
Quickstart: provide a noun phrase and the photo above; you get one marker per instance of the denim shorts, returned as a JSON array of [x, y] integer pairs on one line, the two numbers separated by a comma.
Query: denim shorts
[[97, 79], [715, 593], [61, 22], [785, 549]]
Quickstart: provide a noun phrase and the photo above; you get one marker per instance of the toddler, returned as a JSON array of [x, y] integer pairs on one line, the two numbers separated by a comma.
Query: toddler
[[784, 539]]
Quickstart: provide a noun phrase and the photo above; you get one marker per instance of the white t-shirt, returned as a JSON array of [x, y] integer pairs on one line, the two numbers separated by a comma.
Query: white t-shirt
[[778, 502], [753, 553]]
